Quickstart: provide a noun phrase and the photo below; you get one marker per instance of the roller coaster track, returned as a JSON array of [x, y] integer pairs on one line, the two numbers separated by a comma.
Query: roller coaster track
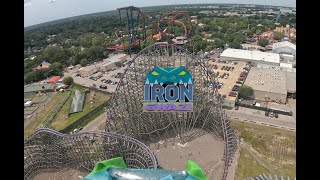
[[161, 32], [228, 134], [50, 151]]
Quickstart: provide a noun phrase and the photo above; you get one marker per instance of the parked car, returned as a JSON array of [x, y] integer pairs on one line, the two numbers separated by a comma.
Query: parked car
[[235, 89], [276, 115], [236, 108], [233, 94], [236, 86], [102, 80], [240, 78], [266, 113], [103, 87], [271, 114], [239, 82]]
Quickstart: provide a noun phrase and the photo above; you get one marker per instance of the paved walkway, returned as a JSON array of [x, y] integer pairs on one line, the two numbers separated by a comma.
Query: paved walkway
[[96, 124]]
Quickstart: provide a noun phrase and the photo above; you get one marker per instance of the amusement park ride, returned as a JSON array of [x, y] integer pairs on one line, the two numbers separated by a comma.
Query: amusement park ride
[[137, 23]]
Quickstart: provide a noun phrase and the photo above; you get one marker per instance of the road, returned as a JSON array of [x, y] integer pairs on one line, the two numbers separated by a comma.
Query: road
[[289, 124], [97, 124]]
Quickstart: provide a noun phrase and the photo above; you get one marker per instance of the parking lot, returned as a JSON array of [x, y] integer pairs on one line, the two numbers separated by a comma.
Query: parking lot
[[110, 75], [230, 78]]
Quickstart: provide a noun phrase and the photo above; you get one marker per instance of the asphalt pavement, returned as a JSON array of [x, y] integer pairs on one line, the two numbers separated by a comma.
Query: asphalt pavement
[[261, 119], [96, 124]]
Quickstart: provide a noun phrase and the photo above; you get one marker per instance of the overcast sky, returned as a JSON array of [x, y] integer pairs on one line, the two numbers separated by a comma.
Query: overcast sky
[[39, 11]]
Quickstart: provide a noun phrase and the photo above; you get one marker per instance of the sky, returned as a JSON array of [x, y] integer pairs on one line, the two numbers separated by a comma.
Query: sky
[[40, 11]]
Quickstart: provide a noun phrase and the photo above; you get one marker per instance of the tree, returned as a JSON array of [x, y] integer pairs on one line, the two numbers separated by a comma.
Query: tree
[[246, 92], [83, 62], [29, 77], [218, 42], [53, 54], [278, 35], [68, 81], [55, 69], [263, 42], [235, 44]]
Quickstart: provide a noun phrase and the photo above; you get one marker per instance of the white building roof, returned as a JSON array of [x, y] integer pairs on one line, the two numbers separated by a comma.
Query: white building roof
[[251, 55], [284, 44], [286, 65], [267, 80], [291, 81]]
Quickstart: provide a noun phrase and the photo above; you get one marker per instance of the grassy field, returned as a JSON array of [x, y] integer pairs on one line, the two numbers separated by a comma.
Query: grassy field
[[248, 166], [42, 114], [62, 120], [275, 147], [227, 107]]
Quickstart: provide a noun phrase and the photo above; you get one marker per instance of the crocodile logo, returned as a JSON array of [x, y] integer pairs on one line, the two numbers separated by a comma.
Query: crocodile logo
[[168, 89]]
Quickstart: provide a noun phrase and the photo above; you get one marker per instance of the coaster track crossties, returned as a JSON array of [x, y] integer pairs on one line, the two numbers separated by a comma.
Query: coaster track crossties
[[127, 117]]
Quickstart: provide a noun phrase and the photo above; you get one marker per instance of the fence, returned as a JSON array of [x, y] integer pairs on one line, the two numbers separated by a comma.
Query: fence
[[94, 89], [56, 108], [265, 109], [83, 118]]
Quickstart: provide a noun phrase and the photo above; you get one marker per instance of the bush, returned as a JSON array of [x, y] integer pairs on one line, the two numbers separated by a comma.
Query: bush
[[68, 81], [246, 92]]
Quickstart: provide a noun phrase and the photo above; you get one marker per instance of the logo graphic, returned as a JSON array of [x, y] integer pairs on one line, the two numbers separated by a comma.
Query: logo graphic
[[168, 90]]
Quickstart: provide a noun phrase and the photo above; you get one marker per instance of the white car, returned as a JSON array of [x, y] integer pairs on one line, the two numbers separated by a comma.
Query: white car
[[226, 77], [271, 114], [75, 131]]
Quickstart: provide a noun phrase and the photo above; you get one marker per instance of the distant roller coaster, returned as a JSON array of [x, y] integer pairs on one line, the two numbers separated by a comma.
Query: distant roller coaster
[[136, 21], [126, 116]]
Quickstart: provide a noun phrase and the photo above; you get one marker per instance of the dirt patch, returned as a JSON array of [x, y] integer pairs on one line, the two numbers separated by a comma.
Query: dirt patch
[[205, 150], [65, 174]]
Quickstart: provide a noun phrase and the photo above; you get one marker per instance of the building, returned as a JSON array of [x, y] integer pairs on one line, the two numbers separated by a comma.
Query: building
[[284, 47], [291, 32], [44, 64], [267, 84], [252, 47], [53, 79], [287, 58], [286, 11], [283, 67], [291, 82], [254, 57], [201, 25], [271, 84], [286, 65], [88, 70], [112, 61], [180, 40], [31, 90]]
